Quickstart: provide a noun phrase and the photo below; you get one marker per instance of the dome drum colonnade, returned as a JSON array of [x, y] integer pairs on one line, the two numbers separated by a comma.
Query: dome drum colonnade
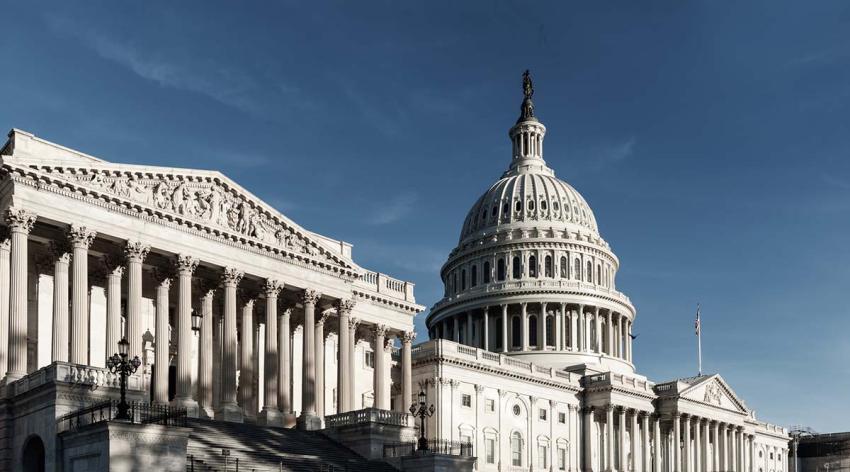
[[531, 272], [221, 334]]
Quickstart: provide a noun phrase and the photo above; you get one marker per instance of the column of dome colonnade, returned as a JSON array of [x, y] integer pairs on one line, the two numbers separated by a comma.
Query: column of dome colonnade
[[567, 327], [230, 302], [707, 445]]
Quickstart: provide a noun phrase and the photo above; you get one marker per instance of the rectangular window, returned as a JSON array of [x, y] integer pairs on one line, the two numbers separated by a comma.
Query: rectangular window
[[562, 418], [562, 458], [370, 359], [491, 405], [543, 456], [542, 414], [490, 450], [466, 400]]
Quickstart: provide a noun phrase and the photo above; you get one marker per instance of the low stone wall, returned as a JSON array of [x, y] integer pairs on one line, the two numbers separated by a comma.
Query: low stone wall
[[123, 447]]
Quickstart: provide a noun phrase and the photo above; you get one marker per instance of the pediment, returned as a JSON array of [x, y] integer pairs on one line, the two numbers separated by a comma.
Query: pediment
[[714, 391], [205, 198]]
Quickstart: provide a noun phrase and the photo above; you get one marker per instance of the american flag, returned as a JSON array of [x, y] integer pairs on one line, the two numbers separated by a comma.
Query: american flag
[[696, 323]]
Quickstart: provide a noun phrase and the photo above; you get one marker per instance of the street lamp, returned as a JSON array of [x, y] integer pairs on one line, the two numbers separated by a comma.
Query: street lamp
[[419, 409], [119, 364], [196, 321]]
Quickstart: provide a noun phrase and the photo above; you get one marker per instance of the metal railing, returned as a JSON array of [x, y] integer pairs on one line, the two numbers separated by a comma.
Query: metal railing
[[435, 446], [140, 413]]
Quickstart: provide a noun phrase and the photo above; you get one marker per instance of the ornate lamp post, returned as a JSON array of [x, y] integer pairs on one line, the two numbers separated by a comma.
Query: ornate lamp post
[[119, 364], [196, 321], [422, 411]]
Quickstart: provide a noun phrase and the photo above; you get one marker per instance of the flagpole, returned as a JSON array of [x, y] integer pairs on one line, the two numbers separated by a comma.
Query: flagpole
[[699, 342]]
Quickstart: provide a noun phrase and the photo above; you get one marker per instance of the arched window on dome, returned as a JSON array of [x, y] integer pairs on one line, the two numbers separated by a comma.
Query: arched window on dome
[[599, 275], [473, 281], [530, 205], [577, 269], [547, 267], [532, 330], [518, 206], [463, 279], [506, 210], [454, 282], [550, 330], [589, 273], [543, 205], [516, 332], [494, 211], [516, 270], [486, 273], [500, 270], [564, 267], [532, 266]]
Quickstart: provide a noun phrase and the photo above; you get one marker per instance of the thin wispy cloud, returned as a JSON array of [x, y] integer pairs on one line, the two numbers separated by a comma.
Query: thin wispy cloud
[[394, 209]]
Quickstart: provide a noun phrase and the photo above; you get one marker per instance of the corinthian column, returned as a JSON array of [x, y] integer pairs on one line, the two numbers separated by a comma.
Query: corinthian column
[[353, 323], [160, 377], [205, 356], [185, 266], [135, 252], [320, 364], [62, 258], [379, 379], [246, 357], [114, 271], [308, 419], [5, 247], [609, 444], [20, 223], [406, 370], [270, 414], [285, 367], [228, 409], [344, 379], [81, 238]]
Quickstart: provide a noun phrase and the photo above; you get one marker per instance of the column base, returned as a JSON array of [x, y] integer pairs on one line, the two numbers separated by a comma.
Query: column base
[[229, 412], [193, 410], [289, 420], [206, 413], [309, 422], [270, 417]]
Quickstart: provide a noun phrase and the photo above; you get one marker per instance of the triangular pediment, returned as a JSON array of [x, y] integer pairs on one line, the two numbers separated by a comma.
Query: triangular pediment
[[206, 199], [713, 390]]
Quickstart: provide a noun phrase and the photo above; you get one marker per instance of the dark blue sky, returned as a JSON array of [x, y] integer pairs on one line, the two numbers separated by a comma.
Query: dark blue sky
[[710, 138]]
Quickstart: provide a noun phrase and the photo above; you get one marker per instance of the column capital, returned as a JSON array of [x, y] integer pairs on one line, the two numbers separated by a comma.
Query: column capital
[[114, 264], [185, 264], [136, 251], [310, 297], [345, 306], [272, 288], [80, 236], [407, 337], [60, 250], [322, 317], [20, 220], [381, 330], [163, 278], [231, 276], [353, 323]]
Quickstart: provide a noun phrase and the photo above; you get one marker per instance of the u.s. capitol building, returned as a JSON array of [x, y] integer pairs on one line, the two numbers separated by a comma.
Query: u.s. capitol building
[[265, 346]]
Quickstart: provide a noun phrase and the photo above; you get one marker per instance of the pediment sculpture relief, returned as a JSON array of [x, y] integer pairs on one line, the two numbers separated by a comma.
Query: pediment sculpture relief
[[712, 394]]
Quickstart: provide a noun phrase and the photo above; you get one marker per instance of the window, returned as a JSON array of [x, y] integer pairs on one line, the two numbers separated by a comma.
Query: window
[[490, 450], [543, 455], [532, 266], [577, 269], [516, 410], [516, 449], [490, 405], [562, 418], [542, 414], [548, 266], [466, 400], [463, 279], [506, 209], [589, 273], [516, 268], [500, 270], [556, 206], [516, 332], [598, 274], [531, 205], [562, 458], [532, 330], [564, 267], [518, 206], [543, 204], [474, 280], [486, 272], [465, 438], [454, 282], [370, 359]]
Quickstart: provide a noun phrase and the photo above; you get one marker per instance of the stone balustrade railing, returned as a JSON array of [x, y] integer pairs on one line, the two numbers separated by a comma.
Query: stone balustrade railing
[[612, 378], [386, 285], [73, 374], [368, 415], [450, 349]]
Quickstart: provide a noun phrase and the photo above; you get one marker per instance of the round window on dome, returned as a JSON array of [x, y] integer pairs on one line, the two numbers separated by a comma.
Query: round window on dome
[[517, 410]]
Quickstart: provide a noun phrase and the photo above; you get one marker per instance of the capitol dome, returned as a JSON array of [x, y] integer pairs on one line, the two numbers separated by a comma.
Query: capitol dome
[[531, 275]]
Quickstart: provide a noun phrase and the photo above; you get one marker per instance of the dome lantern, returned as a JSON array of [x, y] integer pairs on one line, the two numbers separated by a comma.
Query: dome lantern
[[527, 136]]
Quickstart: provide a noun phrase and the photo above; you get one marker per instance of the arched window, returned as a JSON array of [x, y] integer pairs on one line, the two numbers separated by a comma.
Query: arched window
[[548, 266], [598, 274], [33, 455], [516, 332], [518, 206], [474, 280], [454, 282], [494, 211], [564, 267], [463, 279], [506, 209], [530, 205], [577, 269], [543, 204], [516, 268], [500, 270], [532, 266], [486, 272], [499, 335], [516, 449], [550, 330], [589, 273], [532, 330]]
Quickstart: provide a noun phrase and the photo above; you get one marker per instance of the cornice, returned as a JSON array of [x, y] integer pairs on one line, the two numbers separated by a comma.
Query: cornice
[[371, 297]]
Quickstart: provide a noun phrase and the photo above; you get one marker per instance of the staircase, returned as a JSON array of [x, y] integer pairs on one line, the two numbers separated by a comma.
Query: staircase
[[266, 449]]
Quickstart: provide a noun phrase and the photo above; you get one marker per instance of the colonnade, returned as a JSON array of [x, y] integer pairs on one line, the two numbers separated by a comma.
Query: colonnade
[[707, 445], [220, 336], [520, 327]]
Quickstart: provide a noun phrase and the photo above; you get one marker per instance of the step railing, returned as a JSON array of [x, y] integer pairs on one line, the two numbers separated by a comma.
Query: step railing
[[435, 446], [139, 413]]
